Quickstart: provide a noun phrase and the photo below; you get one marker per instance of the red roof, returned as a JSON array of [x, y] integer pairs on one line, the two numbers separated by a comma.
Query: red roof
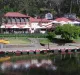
[[38, 20], [62, 19], [15, 14], [33, 19], [45, 20]]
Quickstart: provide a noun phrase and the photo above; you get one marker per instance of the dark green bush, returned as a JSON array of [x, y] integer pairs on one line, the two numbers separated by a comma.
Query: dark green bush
[[24, 35]]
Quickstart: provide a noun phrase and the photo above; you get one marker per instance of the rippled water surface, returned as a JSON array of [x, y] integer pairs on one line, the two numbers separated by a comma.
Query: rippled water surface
[[67, 66]]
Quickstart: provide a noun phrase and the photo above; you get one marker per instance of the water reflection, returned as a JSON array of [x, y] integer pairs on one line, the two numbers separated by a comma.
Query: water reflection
[[67, 66], [27, 65]]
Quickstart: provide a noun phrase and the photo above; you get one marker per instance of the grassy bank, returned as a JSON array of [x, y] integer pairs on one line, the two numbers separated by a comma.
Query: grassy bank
[[44, 41], [18, 40]]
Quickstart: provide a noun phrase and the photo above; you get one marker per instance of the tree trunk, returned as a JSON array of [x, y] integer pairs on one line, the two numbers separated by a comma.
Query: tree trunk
[[71, 7], [59, 11]]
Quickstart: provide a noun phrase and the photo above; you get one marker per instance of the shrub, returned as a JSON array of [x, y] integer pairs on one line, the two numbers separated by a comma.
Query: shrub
[[24, 35]]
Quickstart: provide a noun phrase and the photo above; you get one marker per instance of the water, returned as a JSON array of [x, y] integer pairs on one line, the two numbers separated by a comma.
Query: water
[[29, 67], [67, 66]]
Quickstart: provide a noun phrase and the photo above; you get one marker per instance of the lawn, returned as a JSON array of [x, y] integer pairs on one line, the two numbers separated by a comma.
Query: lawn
[[18, 40], [77, 40], [44, 41]]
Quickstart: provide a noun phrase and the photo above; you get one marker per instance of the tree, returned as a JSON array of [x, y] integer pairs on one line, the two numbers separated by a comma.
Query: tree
[[68, 32], [58, 5], [51, 35], [71, 6], [58, 30], [33, 7]]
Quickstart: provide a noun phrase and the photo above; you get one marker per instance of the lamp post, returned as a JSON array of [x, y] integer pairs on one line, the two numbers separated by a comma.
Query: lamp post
[[48, 44]]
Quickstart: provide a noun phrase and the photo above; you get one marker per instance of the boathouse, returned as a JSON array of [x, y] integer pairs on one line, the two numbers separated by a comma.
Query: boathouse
[[15, 22]]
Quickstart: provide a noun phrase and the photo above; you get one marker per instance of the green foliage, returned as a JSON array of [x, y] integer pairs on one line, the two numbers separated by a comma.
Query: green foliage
[[58, 30], [8, 9], [33, 7], [24, 35], [67, 31], [44, 41], [51, 35]]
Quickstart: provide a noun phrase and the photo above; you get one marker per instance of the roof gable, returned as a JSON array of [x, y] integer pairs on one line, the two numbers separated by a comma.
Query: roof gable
[[38, 20], [62, 19], [14, 14]]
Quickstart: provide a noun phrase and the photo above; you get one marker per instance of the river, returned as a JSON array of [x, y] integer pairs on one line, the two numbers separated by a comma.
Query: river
[[57, 66]]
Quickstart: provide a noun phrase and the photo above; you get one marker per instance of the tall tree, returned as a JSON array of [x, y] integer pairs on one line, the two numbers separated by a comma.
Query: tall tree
[[58, 5], [71, 6]]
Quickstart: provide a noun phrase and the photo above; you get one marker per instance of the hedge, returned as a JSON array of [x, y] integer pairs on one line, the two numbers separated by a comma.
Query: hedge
[[24, 35]]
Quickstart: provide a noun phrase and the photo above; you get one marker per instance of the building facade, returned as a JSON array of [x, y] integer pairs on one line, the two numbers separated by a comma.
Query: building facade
[[15, 22]]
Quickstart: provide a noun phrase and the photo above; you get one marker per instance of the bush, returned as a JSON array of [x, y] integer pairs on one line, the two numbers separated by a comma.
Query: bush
[[24, 35], [51, 35]]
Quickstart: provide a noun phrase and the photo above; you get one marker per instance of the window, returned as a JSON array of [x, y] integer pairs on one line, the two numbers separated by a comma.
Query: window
[[17, 19], [9, 20], [13, 20], [22, 20], [26, 20]]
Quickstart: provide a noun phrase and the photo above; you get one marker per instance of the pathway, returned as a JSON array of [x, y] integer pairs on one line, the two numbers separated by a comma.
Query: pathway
[[35, 45], [35, 42]]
